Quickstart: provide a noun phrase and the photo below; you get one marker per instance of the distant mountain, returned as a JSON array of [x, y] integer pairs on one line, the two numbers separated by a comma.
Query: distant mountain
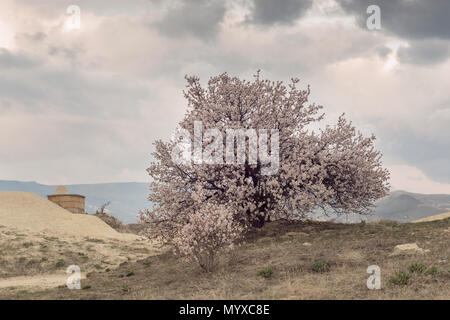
[[405, 206], [126, 198]]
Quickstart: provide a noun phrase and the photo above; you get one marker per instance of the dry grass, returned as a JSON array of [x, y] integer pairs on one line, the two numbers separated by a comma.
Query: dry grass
[[347, 249]]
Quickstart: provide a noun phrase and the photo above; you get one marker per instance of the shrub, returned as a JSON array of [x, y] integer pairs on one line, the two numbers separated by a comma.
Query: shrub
[[400, 278], [320, 266], [417, 267], [266, 272], [60, 263], [208, 231], [125, 289], [112, 222]]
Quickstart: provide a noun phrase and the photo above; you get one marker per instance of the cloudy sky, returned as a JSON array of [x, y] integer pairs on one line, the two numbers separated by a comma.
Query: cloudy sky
[[84, 105]]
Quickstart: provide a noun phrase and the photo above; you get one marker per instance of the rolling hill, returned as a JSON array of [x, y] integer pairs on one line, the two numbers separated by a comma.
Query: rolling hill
[[404, 206]]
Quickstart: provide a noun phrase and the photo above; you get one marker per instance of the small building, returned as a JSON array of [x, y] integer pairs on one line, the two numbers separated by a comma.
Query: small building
[[71, 202]]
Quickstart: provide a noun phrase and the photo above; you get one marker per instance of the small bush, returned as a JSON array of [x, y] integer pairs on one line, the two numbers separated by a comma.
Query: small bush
[[86, 287], [60, 263], [431, 271], [400, 278], [266, 272], [28, 244], [83, 256], [208, 231], [417, 268], [320, 266], [113, 222]]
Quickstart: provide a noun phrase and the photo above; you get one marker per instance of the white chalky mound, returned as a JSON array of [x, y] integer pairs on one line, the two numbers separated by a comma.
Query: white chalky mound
[[441, 216], [28, 211]]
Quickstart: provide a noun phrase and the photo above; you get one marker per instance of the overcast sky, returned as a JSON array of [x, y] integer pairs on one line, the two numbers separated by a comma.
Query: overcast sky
[[84, 105]]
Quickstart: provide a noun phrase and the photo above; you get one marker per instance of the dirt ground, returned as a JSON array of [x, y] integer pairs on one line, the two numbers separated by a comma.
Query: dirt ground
[[43, 281], [307, 260], [28, 255]]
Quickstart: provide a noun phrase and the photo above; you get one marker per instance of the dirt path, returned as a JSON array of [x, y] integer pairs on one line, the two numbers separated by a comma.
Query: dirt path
[[39, 281]]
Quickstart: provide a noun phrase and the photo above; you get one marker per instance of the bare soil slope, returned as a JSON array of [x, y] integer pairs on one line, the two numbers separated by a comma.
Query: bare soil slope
[[28, 211]]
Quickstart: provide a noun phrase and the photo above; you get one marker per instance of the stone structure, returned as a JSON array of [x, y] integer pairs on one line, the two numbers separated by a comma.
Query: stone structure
[[71, 202]]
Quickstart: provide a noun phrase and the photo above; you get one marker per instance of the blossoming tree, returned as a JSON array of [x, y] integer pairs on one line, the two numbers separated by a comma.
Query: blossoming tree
[[336, 169]]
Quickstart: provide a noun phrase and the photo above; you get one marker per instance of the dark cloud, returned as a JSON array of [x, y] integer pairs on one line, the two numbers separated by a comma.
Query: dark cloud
[[424, 52], [269, 12], [70, 54], [33, 86], [198, 18], [420, 22], [16, 61], [383, 51], [411, 19]]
